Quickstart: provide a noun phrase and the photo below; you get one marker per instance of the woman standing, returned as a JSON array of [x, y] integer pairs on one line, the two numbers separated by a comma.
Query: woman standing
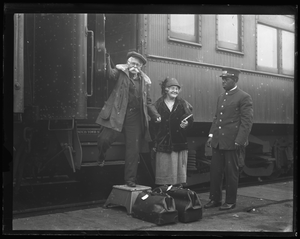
[[169, 135]]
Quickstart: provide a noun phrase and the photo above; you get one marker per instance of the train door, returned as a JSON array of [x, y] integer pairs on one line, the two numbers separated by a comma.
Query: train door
[[96, 63], [59, 65], [50, 92], [120, 35], [115, 34]]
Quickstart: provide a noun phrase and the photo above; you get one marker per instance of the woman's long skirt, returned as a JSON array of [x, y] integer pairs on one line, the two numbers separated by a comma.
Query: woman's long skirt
[[171, 168]]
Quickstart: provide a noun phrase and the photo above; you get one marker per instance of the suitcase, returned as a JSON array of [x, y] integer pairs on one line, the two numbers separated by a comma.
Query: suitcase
[[158, 208], [187, 202]]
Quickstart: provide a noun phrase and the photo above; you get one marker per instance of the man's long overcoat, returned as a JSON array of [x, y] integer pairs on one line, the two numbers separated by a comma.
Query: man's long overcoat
[[113, 112]]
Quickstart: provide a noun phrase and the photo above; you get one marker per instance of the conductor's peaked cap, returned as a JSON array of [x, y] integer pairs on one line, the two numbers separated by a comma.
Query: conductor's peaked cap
[[227, 72], [137, 55]]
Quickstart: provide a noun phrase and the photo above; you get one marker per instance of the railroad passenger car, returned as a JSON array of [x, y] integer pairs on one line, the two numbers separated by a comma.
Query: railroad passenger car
[[60, 86]]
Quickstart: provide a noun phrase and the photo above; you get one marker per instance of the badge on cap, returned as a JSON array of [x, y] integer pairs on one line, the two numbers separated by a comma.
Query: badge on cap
[[229, 72]]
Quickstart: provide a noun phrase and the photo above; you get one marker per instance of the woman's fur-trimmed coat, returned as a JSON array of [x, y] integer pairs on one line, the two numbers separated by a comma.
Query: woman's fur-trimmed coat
[[167, 135]]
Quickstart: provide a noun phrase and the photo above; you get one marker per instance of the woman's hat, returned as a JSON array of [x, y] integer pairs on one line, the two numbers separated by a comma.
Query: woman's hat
[[171, 82]]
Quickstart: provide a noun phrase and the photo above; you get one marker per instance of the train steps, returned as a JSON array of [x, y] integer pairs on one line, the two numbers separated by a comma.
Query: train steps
[[88, 140]]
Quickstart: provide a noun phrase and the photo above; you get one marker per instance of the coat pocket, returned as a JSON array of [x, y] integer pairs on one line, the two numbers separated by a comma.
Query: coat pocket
[[106, 110]]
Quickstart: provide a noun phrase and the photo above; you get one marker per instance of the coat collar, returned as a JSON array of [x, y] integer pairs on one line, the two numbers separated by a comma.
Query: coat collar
[[231, 92], [124, 68]]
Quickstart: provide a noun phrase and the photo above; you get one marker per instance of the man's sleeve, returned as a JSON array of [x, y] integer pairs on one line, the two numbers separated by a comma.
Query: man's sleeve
[[152, 111], [213, 125], [111, 73], [246, 110]]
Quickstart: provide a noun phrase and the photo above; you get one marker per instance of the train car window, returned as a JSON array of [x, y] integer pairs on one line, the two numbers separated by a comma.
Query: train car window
[[288, 51], [275, 50], [229, 33], [267, 48], [184, 24], [184, 27]]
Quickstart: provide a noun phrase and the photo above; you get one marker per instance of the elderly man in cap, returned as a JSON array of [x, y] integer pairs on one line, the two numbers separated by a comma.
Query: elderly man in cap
[[127, 111], [228, 137]]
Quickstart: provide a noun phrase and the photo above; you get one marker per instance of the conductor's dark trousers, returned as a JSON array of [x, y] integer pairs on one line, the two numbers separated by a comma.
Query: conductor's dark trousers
[[224, 163], [132, 130]]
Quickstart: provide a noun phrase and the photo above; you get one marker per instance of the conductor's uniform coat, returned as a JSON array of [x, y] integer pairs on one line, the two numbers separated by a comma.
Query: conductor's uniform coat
[[231, 124]]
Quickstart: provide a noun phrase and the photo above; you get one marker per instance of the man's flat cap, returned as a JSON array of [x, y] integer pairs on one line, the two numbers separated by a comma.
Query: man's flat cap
[[226, 72], [137, 55]]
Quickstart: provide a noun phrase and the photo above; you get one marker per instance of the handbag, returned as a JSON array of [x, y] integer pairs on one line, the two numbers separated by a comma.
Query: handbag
[[158, 208], [187, 202]]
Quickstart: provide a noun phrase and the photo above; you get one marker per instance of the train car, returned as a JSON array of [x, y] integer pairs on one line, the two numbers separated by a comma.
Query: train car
[[194, 48], [60, 87]]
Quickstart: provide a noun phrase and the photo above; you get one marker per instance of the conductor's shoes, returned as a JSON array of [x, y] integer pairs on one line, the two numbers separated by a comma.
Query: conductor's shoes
[[227, 206], [212, 204], [130, 184]]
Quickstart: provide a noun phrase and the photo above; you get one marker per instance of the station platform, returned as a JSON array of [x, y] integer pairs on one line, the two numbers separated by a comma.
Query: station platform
[[263, 208]]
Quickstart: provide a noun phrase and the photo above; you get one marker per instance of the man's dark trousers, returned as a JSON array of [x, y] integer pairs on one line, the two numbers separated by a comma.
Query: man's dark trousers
[[224, 162], [132, 130]]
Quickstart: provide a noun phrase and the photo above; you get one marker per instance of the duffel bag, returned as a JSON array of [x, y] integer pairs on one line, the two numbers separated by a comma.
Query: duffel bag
[[158, 208], [187, 202]]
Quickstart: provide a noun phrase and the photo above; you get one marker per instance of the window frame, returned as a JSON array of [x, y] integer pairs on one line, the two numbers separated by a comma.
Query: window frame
[[282, 70], [230, 47], [184, 38], [279, 69], [266, 68]]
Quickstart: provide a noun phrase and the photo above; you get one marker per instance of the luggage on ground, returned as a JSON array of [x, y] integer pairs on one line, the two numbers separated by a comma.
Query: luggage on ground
[[158, 208], [187, 202]]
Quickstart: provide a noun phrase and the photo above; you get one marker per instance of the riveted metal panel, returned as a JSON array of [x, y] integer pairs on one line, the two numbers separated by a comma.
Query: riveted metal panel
[[159, 43], [273, 97], [200, 85], [198, 68], [60, 45]]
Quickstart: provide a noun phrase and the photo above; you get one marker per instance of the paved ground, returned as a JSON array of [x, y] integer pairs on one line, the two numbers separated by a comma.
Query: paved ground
[[265, 208]]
